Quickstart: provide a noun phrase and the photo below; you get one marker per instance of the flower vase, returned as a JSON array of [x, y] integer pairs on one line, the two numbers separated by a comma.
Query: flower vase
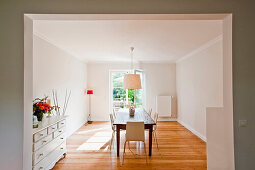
[[131, 111], [39, 116]]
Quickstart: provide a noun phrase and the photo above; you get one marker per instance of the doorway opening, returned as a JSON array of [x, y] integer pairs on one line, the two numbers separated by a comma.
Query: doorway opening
[[220, 148]]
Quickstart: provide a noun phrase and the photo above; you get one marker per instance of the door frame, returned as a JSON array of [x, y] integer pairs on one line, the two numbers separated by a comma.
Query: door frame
[[111, 86], [224, 141]]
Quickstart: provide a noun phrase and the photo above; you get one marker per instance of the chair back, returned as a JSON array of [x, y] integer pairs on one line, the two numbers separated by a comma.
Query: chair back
[[135, 131], [112, 120], [150, 111], [155, 120], [114, 113]]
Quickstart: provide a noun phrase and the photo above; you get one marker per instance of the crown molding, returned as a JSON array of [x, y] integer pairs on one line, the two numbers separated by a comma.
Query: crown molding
[[128, 62], [158, 62]]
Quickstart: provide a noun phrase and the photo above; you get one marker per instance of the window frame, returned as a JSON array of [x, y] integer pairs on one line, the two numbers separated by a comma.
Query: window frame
[[111, 86]]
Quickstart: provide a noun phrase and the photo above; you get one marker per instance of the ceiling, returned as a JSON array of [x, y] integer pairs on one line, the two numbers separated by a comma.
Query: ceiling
[[110, 40]]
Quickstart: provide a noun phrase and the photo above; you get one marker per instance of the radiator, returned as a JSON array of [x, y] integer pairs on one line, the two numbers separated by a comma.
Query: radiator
[[164, 106]]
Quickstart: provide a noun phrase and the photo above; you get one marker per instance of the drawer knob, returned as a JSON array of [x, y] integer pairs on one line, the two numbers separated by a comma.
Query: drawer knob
[[61, 148], [60, 131], [62, 123], [41, 168], [41, 134], [53, 128], [41, 154], [61, 138], [44, 141]]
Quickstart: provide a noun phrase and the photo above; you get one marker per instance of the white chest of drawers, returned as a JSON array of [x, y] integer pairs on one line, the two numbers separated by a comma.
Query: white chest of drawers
[[49, 142]]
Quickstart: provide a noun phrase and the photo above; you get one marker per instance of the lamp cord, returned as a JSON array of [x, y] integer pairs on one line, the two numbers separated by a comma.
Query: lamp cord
[[132, 50]]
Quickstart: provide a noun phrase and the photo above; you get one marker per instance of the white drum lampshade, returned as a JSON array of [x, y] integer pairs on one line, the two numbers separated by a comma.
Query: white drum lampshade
[[132, 81]]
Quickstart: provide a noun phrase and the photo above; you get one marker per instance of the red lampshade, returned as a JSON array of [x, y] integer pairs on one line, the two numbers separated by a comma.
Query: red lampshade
[[89, 91]]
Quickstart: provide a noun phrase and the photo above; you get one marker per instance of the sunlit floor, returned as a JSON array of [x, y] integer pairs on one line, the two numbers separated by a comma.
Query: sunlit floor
[[179, 149]]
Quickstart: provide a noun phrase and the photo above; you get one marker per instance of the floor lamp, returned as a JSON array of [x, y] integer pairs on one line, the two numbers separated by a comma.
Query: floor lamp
[[89, 92]]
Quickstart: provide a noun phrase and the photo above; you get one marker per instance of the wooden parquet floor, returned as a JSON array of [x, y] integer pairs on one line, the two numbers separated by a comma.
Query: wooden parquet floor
[[179, 149]]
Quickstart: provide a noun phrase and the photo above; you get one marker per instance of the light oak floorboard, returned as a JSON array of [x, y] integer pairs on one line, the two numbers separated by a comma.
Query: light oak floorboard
[[179, 149]]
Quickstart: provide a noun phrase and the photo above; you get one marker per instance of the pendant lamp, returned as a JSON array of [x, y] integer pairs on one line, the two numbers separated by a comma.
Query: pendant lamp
[[132, 81]]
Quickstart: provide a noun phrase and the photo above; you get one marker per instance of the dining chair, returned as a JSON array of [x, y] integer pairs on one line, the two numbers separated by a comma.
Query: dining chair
[[150, 111], [135, 132], [113, 130], [154, 130], [114, 113]]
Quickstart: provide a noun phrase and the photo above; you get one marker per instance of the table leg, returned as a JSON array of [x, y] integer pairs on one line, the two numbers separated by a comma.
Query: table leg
[[150, 140], [118, 140]]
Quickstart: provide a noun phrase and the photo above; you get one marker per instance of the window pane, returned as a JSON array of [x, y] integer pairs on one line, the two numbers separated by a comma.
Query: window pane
[[118, 93], [139, 98], [117, 79], [119, 96], [131, 95], [139, 92]]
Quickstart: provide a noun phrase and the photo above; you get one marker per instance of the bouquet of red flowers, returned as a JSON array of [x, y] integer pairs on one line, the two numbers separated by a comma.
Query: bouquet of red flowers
[[40, 107]]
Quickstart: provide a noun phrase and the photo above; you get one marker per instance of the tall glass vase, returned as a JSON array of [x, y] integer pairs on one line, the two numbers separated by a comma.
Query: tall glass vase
[[39, 116]]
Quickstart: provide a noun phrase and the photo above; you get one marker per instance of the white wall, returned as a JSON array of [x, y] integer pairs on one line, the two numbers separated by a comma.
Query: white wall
[[219, 120], [56, 69], [160, 80], [28, 98], [200, 85]]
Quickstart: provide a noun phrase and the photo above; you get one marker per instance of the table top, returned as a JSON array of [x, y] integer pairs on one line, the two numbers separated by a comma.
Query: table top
[[122, 117]]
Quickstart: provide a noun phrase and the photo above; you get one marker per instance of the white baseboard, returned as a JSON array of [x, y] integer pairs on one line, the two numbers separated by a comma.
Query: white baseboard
[[159, 119], [193, 130], [167, 119], [100, 120]]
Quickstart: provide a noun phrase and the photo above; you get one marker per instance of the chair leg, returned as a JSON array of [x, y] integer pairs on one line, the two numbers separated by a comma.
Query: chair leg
[[145, 153], [155, 134], [112, 140], [124, 152]]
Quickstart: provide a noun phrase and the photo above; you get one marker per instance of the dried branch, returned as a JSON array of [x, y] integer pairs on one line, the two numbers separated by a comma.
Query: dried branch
[[66, 101]]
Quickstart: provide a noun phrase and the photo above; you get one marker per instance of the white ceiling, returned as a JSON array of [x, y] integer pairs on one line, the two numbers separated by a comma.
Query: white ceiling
[[110, 40]]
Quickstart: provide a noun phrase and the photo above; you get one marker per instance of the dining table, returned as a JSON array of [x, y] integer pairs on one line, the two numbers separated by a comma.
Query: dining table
[[140, 115]]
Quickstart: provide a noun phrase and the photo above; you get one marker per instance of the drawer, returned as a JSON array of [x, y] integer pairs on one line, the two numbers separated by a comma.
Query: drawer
[[62, 147], [42, 142], [61, 139], [41, 165], [58, 132], [49, 161], [40, 154], [58, 153], [40, 135], [61, 124], [52, 128], [45, 150]]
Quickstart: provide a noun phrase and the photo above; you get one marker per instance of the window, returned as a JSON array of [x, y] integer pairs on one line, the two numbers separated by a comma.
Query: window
[[140, 92], [119, 97], [119, 94]]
